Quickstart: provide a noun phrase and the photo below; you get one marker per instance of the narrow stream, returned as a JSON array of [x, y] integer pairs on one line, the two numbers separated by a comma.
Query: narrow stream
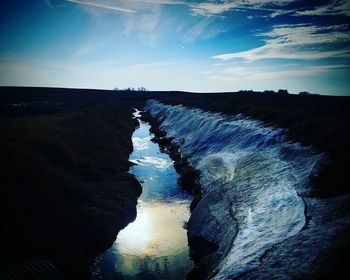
[[154, 246]]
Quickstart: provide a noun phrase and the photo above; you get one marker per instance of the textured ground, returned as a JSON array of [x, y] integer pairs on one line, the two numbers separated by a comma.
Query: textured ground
[[320, 249], [65, 189]]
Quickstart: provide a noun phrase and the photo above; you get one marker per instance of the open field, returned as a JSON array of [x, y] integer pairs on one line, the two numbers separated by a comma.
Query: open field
[[66, 191]]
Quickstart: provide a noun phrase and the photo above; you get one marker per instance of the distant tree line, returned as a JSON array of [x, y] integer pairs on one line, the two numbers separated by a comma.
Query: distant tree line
[[307, 93], [280, 91], [130, 89]]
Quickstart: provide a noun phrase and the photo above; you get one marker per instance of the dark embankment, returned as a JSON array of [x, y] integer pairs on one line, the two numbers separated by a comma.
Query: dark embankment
[[320, 121], [65, 189]]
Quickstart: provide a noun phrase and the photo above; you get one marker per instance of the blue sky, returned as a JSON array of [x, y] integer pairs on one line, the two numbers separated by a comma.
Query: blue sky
[[177, 45]]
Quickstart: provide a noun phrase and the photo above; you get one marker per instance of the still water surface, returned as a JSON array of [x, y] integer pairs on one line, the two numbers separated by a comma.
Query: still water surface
[[154, 246]]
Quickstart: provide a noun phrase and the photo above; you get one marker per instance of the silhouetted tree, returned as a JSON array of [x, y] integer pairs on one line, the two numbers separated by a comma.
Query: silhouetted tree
[[247, 91], [269, 91], [130, 89], [283, 91]]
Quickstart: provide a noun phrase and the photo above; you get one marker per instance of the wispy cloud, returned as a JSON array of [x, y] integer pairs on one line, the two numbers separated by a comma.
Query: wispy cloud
[[130, 6], [298, 42], [203, 29], [24, 71], [212, 8], [141, 17], [144, 23], [88, 47], [209, 8], [100, 4], [333, 8], [254, 73], [293, 76], [273, 8], [166, 2], [49, 4]]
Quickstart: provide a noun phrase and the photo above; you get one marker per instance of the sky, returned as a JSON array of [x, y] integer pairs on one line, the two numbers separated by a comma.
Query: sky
[[196, 45]]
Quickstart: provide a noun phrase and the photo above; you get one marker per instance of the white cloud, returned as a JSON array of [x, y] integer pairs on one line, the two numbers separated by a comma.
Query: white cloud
[[210, 8], [274, 7], [297, 42], [179, 75], [270, 52], [254, 73], [307, 34], [292, 76], [165, 2], [103, 5], [145, 23], [162, 75], [141, 17], [203, 29], [130, 6], [341, 7], [88, 47]]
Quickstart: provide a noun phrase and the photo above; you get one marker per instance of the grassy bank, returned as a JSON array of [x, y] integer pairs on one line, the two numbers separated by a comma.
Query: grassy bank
[[65, 190]]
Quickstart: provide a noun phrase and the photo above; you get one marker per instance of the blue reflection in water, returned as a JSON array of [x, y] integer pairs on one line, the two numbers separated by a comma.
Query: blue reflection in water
[[154, 246]]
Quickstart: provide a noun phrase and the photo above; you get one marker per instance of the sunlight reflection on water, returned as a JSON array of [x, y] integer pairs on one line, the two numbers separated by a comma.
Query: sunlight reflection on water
[[161, 228], [154, 246], [155, 242]]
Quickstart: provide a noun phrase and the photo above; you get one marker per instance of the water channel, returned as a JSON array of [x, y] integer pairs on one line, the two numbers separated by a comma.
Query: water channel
[[154, 246]]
